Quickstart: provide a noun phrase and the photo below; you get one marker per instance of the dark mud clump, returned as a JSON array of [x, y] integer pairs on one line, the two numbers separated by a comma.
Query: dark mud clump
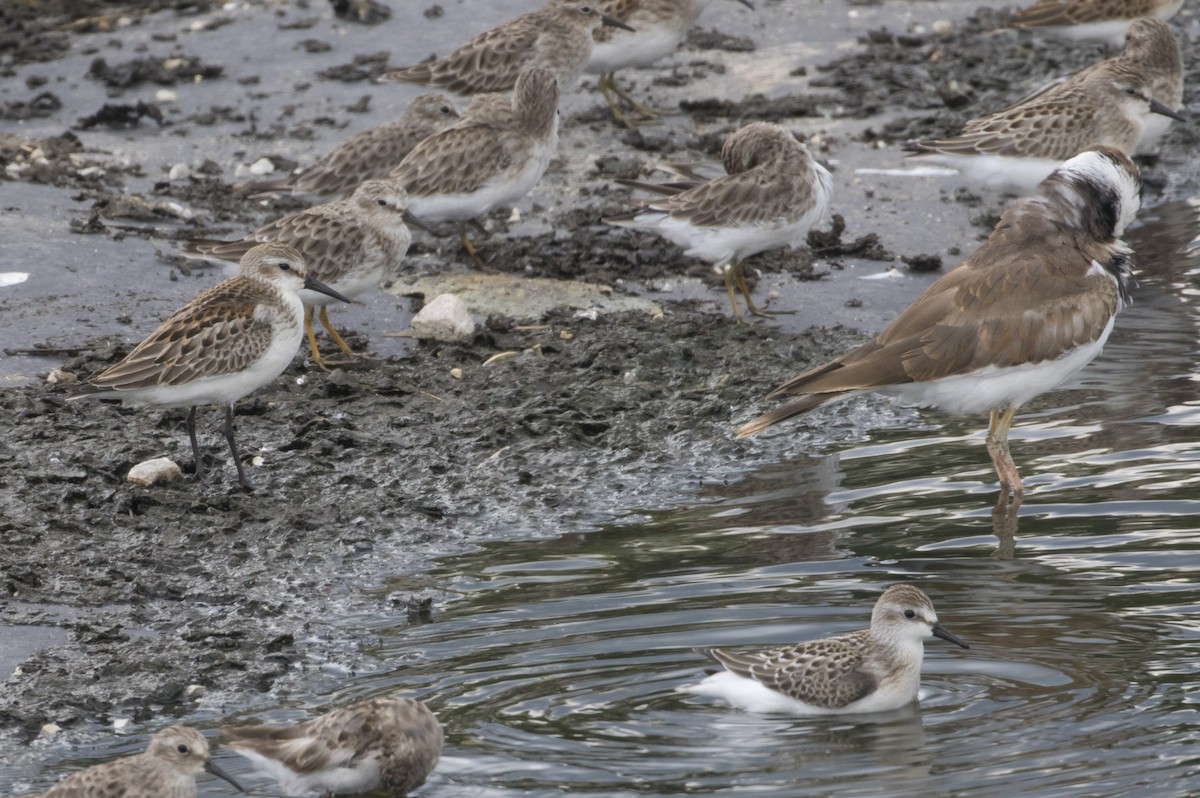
[[190, 584]]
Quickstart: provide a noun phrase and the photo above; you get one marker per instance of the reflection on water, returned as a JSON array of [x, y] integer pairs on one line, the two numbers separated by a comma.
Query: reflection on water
[[555, 671], [555, 667]]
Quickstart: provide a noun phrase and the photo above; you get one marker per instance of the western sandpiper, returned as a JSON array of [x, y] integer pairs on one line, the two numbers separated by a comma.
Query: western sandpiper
[[1023, 314], [1021, 145], [385, 743], [491, 159], [658, 26], [874, 670], [230, 340], [369, 155], [166, 769], [773, 192], [557, 36], [1107, 20], [350, 245]]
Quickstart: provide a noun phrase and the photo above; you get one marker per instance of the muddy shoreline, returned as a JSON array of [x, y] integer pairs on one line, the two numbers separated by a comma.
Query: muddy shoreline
[[133, 597]]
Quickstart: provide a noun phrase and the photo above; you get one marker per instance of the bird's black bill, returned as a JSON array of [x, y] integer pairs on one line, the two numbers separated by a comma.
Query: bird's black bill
[[940, 631], [212, 768], [313, 284], [413, 221], [1158, 108], [614, 23]]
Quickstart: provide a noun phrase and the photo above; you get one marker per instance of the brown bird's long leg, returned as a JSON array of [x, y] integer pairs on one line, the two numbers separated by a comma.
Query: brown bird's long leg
[[227, 428], [997, 446], [190, 425]]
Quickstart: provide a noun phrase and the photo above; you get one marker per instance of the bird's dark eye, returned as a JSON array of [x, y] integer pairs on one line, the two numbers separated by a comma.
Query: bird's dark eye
[[447, 110], [381, 203], [287, 267], [909, 614], [181, 748], [585, 9], [1131, 92]]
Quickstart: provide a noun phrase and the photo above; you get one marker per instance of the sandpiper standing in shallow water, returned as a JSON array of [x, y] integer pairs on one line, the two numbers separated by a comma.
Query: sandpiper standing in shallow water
[[349, 245], [557, 37], [1021, 145], [166, 769], [384, 743], [874, 670], [369, 155], [772, 194], [1107, 20], [1022, 315], [229, 341], [487, 161], [658, 28]]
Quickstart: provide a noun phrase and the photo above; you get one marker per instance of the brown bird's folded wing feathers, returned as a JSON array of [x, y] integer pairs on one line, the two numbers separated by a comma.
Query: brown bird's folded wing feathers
[[436, 165], [1065, 12], [730, 200], [489, 62], [171, 356], [972, 317], [1016, 135], [841, 681]]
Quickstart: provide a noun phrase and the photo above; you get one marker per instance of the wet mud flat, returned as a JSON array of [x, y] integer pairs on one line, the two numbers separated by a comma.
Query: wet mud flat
[[371, 469], [365, 471]]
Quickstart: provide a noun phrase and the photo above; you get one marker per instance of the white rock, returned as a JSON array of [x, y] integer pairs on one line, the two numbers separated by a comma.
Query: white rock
[[51, 728], [150, 472], [166, 96], [121, 723], [446, 318], [195, 690], [58, 375], [943, 27], [179, 171], [263, 166]]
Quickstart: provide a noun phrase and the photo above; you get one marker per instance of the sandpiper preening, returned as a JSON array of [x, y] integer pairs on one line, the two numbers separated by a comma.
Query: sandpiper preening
[[383, 743], [1023, 314]]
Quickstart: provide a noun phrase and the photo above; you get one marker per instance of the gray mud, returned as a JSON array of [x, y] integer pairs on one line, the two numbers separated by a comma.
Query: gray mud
[[367, 471]]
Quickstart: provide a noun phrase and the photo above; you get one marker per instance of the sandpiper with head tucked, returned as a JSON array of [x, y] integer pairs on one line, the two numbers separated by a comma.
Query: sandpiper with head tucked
[[1021, 145], [1024, 313], [166, 769], [557, 37], [873, 670], [773, 192], [350, 245], [384, 743], [491, 159], [227, 342], [658, 28], [1107, 20], [369, 155]]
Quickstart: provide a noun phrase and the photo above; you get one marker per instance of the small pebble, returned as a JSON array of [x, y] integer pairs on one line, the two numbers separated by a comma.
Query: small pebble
[[179, 171], [151, 472], [57, 376], [195, 690], [456, 373], [263, 166], [943, 27], [165, 96], [51, 728]]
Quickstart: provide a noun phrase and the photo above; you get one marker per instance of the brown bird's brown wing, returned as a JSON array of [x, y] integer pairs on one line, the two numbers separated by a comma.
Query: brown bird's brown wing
[[824, 673], [330, 237], [451, 161], [489, 62], [183, 348], [1075, 12], [1014, 301], [742, 199]]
